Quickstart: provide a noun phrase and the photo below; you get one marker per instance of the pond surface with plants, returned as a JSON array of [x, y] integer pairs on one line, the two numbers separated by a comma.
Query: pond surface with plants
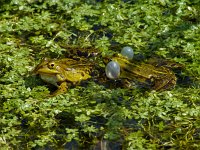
[[99, 112]]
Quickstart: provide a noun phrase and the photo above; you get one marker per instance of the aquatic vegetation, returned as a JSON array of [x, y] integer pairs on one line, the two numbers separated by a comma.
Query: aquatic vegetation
[[91, 112]]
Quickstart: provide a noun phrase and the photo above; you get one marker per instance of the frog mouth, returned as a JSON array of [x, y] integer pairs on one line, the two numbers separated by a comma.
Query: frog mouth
[[47, 71]]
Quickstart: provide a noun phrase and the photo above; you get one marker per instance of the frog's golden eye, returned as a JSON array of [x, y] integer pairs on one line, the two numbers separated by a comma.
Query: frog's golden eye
[[51, 65]]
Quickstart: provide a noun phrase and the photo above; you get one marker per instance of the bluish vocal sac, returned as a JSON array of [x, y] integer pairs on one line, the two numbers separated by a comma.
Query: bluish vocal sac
[[112, 70], [127, 52]]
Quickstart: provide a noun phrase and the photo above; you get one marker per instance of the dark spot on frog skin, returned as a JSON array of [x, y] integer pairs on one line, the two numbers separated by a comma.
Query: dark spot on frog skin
[[61, 76], [82, 74]]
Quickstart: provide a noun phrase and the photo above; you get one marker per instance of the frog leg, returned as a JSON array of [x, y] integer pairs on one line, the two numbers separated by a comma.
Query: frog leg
[[165, 83], [62, 88]]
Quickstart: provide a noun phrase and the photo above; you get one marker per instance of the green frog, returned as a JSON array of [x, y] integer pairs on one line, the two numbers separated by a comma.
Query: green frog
[[67, 71], [63, 72], [155, 74]]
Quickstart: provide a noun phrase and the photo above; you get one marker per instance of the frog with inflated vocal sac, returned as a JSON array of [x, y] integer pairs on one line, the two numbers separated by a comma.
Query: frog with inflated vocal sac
[[151, 73]]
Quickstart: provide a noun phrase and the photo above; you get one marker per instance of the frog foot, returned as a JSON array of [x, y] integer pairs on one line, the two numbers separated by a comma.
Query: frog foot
[[167, 82], [61, 89]]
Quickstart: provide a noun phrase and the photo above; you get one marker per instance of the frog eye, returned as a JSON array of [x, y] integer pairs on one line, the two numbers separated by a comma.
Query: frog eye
[[112, 70], [51, 65], [127, 52]]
